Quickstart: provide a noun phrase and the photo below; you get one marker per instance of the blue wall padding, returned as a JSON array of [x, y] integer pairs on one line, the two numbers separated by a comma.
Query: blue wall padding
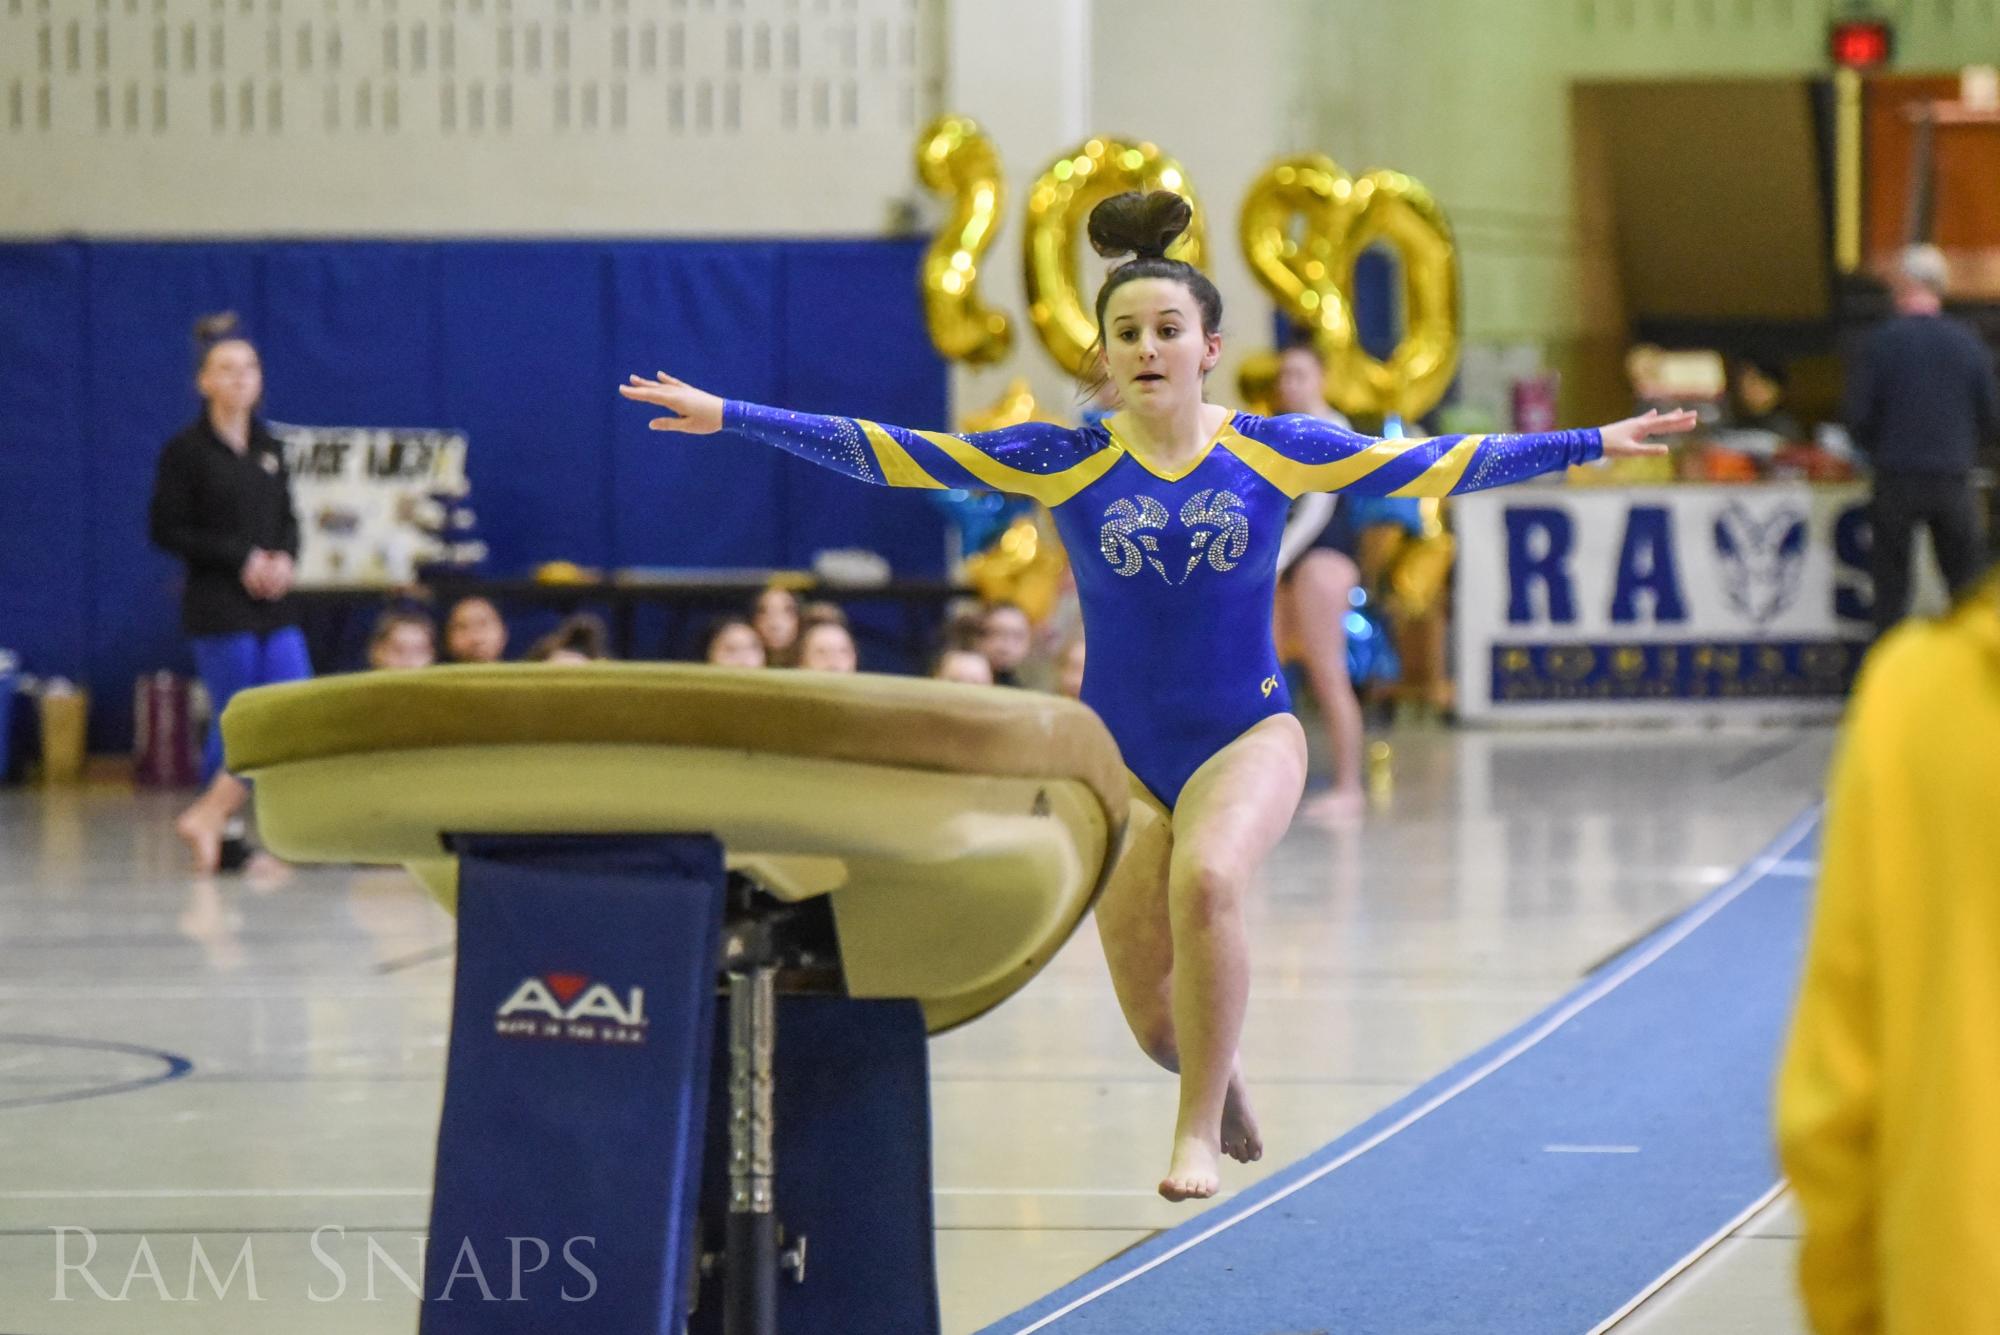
[[864, 368], [519, 343], [44, 576], [542, 472], [680, 500]]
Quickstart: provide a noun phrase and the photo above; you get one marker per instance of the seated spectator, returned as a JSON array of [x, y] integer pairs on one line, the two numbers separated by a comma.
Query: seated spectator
[[1005, 637], [474, 632], [775, 615], [822, 609], [402, 638], [963, 665], [1758, 400], [826, 646], [964, 624], [733, 642], [1069, 669], [580, 638]]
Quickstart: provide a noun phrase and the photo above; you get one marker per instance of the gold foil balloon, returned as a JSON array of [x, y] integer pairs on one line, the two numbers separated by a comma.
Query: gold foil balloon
[[956, 159], [1305, 223], [1257, 383], [1058, 206], [1024, 566], [1290, 228], [1014, 406], [1391, 207], [1420, 574]]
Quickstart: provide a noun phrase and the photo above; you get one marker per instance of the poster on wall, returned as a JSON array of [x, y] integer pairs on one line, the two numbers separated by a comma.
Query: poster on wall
[[1684, 601], [373, 502]]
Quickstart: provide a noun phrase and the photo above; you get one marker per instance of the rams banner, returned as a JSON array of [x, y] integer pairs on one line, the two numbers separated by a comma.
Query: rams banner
[[368, 499], [1662, 601]]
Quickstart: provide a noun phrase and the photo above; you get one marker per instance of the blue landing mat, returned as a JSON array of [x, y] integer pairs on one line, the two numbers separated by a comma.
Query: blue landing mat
[[1539, 1186]]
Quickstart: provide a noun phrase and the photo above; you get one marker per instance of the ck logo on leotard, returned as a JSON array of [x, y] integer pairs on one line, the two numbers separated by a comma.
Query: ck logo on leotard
[[1270, 684], [1133, 527]]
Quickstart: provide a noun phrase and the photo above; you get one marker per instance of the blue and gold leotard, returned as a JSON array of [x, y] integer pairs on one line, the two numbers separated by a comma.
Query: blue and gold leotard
[[1175, 571]]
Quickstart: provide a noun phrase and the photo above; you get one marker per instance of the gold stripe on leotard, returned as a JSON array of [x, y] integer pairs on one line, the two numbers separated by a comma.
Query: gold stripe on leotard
[[1296, 479], [1051, 489], [898, 468], [1442, 476]]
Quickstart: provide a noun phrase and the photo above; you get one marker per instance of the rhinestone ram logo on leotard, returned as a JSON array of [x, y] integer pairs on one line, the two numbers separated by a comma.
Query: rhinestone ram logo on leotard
[[1130, 537], [1221, 529]]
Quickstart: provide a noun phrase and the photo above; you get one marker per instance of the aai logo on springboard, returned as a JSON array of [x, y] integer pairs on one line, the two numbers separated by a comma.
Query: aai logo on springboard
[[573, 1008]]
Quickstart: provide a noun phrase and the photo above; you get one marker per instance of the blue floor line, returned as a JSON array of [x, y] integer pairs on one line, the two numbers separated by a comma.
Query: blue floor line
[[172, 1067], [1534, 1187]]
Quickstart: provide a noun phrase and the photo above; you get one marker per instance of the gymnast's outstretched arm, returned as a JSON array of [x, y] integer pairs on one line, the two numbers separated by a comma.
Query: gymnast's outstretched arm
[[1306, 454], [1037, 459]]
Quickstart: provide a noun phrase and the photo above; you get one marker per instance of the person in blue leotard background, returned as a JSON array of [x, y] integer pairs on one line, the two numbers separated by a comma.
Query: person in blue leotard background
[[1171, 510]]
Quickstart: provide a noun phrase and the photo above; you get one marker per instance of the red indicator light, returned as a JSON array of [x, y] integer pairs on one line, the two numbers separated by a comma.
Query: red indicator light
[[1861, 44]]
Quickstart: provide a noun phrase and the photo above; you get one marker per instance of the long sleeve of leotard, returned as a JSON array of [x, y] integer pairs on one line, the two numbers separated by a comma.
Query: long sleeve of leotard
[[1041, 460], [1303, 454]]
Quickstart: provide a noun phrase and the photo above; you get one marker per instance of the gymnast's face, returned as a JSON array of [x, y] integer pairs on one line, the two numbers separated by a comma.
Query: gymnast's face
[[1154, 347]]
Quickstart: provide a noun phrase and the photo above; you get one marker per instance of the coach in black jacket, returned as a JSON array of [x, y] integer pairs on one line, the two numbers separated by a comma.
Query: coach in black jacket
[[1922, 402], [222, 503]]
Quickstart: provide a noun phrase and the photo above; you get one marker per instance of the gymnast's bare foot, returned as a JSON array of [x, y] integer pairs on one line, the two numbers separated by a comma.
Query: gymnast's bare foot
[[1337, 808], [265, 872], [1195, 1173], [1241, 1140], [200, 828]]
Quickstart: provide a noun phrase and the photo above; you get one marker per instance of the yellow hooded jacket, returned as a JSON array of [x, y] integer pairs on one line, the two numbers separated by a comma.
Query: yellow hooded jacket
[[1889, 1097]]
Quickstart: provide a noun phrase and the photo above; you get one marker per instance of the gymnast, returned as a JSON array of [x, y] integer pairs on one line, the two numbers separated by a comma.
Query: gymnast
[[1171, 510]]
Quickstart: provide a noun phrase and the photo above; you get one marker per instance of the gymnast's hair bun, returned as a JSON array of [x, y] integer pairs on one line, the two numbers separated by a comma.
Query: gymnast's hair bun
[[220, 327], [1139, 225]]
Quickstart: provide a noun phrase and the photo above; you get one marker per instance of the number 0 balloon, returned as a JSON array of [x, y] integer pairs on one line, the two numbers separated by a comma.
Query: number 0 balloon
[[1058, 206], [1304, 224]]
